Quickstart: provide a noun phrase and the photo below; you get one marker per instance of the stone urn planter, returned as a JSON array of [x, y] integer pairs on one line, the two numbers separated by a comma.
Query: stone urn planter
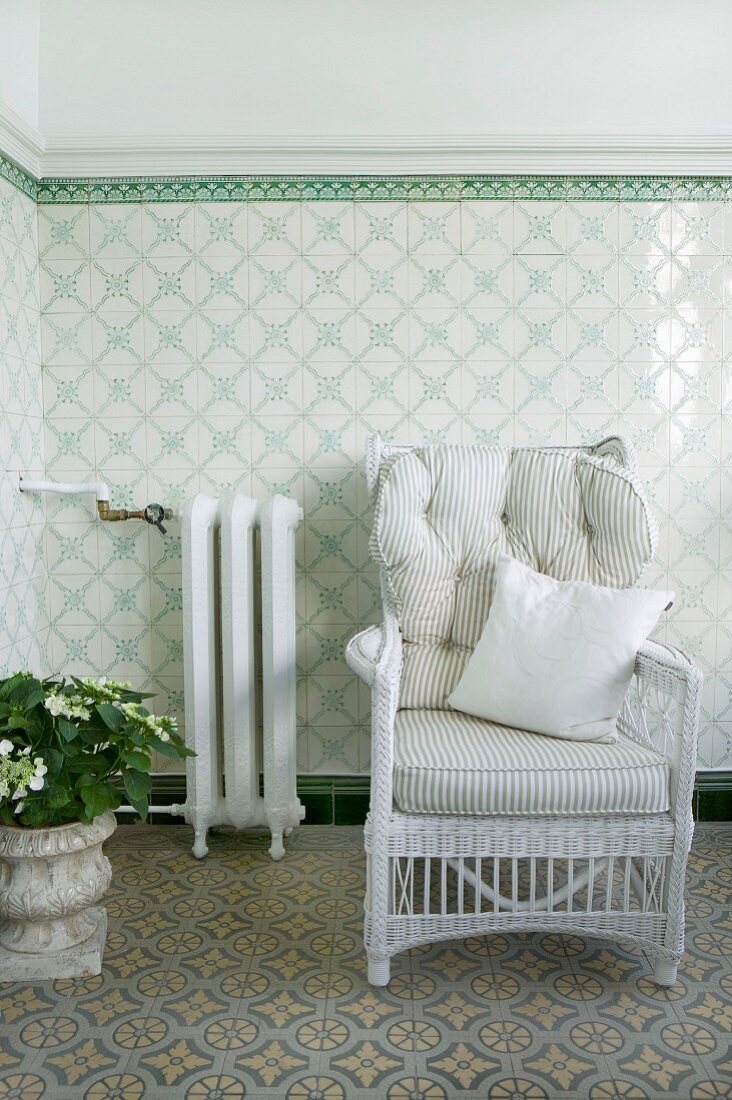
[[70, 749], [51, 880]]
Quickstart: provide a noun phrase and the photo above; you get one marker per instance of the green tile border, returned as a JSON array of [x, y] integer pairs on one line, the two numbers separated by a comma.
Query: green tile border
[[18, 177], [344, 799], [209, 188], [55, 190], [150, 189]]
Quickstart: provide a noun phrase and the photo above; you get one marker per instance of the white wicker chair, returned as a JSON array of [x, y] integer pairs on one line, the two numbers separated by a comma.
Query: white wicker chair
[[436, 874]]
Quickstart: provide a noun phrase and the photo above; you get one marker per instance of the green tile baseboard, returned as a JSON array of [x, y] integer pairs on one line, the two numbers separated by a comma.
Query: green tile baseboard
[[713, 796], [344, 799]]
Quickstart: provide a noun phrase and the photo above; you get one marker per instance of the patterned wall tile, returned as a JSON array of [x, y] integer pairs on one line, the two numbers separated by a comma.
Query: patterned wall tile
[[23, 594], [254, 345]]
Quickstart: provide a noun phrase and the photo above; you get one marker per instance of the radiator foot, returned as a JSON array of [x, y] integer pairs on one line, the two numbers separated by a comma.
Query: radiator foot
[[277, 848], [200, 848]]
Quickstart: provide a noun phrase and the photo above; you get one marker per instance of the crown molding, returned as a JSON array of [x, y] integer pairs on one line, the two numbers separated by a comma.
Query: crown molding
[[20, 143], [75, 155]]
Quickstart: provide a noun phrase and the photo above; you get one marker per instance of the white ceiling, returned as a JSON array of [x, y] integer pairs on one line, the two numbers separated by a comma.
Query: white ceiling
[[205, 77], [385, 66]]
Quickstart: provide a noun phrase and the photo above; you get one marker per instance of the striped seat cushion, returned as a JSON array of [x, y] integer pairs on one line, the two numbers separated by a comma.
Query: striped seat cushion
[[452, 763], [444, 513]]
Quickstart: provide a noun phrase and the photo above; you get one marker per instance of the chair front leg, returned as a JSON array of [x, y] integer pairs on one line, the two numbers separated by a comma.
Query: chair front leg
[[375, 655], [667, 705], [378, 893]]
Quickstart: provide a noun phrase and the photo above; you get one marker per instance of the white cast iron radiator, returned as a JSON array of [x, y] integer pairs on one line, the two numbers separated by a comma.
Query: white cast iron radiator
[[220, 643]]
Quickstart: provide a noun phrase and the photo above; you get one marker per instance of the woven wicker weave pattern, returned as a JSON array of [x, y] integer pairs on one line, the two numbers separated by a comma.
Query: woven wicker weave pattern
[[433, 877]]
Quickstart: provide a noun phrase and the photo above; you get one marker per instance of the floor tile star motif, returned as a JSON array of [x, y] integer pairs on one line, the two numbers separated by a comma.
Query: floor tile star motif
[[463, 1066], [259, 1012], [271, 1063], [175, 1061], [80, 1061]]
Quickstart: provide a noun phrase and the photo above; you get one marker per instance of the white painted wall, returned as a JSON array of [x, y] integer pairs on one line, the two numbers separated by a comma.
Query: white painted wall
[[267, 67], [19, 45]]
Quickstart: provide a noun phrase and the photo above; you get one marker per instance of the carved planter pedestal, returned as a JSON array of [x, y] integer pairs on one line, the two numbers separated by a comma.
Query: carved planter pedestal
[[50, 881]]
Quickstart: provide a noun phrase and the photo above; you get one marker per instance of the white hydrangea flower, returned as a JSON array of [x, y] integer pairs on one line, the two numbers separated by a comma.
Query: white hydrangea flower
[[6, 747], [36, 782], [61, 706], [54, 705]]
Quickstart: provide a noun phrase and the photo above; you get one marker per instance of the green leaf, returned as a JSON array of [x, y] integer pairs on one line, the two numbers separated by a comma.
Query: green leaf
[[57, 796], [96, 796], [54, 760], [27, 694], [137, 783], [17, 723], [93, 737], [81, 761], [34, 698], [137, 788], [165, 748], [138, 760], [111, 716], [34, 813], [67, 729]]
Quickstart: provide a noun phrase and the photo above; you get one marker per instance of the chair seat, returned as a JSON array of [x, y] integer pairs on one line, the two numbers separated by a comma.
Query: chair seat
[[449, 762]]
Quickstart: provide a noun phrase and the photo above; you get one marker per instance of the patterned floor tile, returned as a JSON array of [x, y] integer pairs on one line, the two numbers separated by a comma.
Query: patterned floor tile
[[235, 978]]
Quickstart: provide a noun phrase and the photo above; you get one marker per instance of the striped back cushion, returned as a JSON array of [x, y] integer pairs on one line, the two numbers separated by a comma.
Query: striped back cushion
[[443, 513]]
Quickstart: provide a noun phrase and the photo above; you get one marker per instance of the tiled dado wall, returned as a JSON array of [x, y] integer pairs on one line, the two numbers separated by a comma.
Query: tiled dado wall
[[254, 345], [23, 598]]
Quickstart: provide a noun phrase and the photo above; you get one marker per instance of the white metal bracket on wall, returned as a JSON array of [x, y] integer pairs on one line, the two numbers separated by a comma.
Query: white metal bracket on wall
[[220, 682]]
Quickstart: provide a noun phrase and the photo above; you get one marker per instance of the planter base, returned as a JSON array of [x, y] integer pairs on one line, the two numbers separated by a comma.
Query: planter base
[[82, 961]]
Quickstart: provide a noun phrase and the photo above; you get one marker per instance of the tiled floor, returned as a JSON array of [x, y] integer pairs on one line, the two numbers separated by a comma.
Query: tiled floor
[[236, 977]]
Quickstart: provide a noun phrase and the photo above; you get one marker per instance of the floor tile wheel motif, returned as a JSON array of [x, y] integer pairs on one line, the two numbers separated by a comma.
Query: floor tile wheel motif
[[239, 978]]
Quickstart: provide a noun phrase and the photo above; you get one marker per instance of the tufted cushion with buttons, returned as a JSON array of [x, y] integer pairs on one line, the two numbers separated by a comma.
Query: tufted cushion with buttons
[[443, 513]]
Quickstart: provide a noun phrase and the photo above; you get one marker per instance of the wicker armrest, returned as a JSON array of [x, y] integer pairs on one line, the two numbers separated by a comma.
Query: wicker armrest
[[362, 652], [662, 710], [668, 669], [375, 653]]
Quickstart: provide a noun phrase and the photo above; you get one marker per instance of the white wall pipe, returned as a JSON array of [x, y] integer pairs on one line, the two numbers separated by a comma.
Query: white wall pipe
[[175, 809], [99, 488]]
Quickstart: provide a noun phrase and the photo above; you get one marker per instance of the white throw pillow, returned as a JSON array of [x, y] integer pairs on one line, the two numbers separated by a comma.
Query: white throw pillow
[[556, 657]]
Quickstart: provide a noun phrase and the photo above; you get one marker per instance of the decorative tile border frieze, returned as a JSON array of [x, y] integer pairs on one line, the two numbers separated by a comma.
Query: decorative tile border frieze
[[149, 189], [209, 188], [19, 178]]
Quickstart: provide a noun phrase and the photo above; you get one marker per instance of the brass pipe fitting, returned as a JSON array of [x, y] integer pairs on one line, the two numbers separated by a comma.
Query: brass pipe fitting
[[114, 515], [154, 514]]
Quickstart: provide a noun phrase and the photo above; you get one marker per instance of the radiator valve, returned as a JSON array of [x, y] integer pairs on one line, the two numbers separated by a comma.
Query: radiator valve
[[154, 514]]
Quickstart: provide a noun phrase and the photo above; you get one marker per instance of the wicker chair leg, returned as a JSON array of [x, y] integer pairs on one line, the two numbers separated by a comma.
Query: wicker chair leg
[[379, 970], [664, 971]]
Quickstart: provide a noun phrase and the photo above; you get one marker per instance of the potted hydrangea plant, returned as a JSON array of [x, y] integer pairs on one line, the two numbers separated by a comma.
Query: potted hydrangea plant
[[71, 751]]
